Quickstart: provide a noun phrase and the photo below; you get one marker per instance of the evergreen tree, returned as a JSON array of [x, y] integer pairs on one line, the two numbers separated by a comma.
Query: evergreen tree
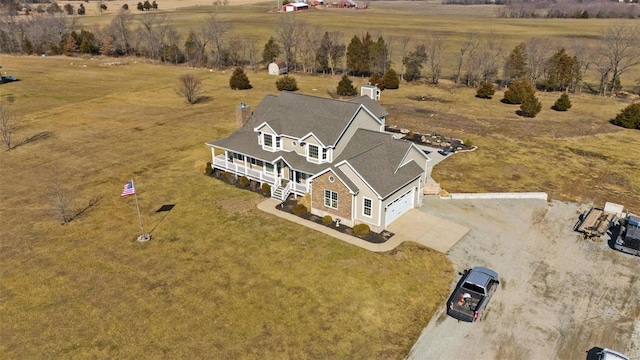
[[379, 55], [125, 7], [390, 79], [239, 80], [561, 71], [629, 117], [147, 5], [345, 87], [515, 66], [70, 46], [355, 54], [531, 106], [485, 91], [271, 51], [287, 83], [140, 6], [518, 91], [413, 63], [563, 103]]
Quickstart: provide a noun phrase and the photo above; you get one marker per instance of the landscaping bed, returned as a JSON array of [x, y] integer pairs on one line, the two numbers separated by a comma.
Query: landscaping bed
[[372, 237]]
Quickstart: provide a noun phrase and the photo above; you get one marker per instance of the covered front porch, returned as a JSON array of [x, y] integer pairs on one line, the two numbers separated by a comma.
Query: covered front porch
[[278, 174]]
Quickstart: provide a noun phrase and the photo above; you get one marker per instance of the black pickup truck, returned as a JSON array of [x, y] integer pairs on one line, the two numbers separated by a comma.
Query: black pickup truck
[[472, 294]]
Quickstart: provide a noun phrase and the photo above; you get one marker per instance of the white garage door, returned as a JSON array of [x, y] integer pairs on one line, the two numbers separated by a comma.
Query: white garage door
[[398, 207]]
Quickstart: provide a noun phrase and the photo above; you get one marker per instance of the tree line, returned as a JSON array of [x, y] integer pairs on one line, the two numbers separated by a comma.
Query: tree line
[[548, 64]]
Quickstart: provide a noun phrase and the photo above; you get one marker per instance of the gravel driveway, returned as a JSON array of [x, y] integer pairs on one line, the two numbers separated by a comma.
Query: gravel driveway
[[559, 296]]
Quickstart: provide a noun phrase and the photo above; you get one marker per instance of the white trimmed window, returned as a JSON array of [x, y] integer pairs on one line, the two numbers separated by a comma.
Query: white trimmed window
[[324, 154], [313, 152], [268, 168], [331, 199], [278, 142], [267, 140], [366, 207]]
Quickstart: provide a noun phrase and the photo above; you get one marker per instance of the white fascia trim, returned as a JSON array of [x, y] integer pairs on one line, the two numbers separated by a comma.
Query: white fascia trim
[[345, 162], [302, 139], [255, 129], [310, 180]]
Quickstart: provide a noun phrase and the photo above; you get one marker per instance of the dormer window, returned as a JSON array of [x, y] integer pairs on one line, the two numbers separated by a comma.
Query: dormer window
[[278, 143], [324, 154], [267, 140], [313, 152]]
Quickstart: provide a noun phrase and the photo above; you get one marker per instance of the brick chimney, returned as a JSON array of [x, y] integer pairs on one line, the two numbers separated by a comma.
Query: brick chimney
[[243, 113]]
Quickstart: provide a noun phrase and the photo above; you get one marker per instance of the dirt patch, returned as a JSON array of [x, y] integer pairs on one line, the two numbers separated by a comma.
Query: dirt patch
[[565, 295]]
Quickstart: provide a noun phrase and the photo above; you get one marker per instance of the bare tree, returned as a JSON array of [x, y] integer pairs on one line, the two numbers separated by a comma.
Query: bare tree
[[537, 52], [8, 125], [121, 32], [582, 55], [152, 30], [620, 45], [435, 47], [215, 32], [189, 87], [61, 202], [252, 53], [404, 42], [468, 46], [311, 39], [288, 33]]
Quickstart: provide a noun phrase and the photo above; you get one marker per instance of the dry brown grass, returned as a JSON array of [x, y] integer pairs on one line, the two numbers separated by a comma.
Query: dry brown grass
[[219, 278]]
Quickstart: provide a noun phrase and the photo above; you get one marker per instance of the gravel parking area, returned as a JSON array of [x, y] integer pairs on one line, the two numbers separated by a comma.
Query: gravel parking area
[[560, 295]]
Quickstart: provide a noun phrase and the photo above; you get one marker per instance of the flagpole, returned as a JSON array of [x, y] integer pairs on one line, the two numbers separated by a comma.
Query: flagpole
[[138, 209]]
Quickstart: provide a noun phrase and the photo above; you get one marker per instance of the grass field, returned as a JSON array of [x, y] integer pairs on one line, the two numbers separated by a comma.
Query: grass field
[[417, 20], [220, 277]]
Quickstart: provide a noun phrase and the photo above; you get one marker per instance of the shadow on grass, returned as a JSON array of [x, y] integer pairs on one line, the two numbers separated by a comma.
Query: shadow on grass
[[594, 353], [166, 208], [203, 100], [44, 135]]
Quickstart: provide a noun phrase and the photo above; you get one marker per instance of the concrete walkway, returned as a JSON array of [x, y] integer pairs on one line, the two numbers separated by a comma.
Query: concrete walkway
[[416, 225]]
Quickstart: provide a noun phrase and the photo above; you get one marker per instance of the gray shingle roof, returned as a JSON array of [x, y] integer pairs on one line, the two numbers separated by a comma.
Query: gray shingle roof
[[298, 115], [376, 157], [372, 105]]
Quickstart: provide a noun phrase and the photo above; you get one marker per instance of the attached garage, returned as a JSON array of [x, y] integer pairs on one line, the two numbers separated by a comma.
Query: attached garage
[[399, 206]]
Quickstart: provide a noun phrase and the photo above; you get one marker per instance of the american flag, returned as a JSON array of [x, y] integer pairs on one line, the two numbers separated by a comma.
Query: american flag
[[128, 189]]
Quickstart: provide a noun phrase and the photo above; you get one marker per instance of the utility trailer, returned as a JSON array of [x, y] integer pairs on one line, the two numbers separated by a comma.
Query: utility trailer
[[595, 222]]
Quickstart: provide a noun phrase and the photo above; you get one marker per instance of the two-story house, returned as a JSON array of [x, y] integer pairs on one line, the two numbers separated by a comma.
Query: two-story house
[[337, 151]]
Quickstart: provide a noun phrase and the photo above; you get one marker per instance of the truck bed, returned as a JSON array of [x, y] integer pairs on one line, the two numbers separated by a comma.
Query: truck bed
[[465, 309]]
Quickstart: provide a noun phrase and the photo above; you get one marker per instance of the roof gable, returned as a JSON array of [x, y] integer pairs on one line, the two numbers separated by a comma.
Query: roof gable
[[380, 160]]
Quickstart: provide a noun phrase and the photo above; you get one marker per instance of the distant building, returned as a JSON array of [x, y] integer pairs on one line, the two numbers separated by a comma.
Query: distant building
[[297, 6], [278, 68], [371, 91]]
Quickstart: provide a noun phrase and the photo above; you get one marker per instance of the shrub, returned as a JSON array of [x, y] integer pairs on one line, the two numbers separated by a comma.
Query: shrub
[[361, 230], [485, 91], [376, 80], [266, 189], [299, 209], [468, 142], [518, 91], [563, 103], [244, 181], [629, 117], [239, 80], [125, 7], [345, 87], [287, 83], [327, 220], [229, 177], [531, 106], [390, 79]]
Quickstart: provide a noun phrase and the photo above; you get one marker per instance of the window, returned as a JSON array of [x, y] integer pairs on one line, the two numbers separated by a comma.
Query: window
[[313, 151], [240, 157], [366, 210], [331, 199], [268, 168], [324, 154], [278, 143], [268, 140]]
